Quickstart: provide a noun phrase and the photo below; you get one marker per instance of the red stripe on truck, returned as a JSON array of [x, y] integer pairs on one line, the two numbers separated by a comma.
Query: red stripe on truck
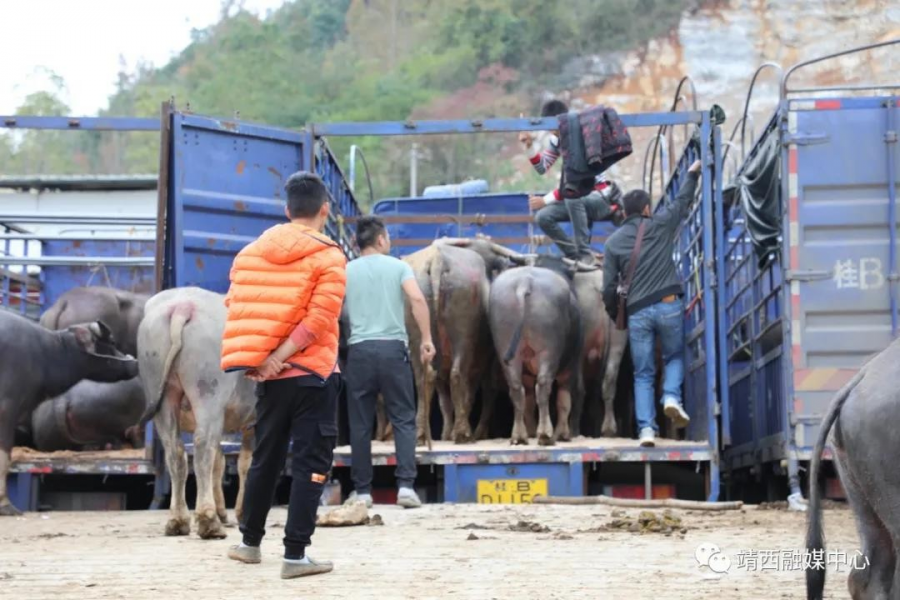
[[828, 104]]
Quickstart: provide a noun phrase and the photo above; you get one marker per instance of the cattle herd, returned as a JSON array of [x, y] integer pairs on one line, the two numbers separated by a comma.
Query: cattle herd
[[500, 319]]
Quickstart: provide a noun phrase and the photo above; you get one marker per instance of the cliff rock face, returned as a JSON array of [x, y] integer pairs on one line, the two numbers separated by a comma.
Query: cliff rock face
[[721, 44]]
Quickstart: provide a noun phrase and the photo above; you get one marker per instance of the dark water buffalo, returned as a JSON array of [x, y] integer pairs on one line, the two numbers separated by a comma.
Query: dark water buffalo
[[36, 363], [90, 414], [602, 352], [101, 412], [121, 311], [535, 320], [454, 274], [180, 342], [864, 415]]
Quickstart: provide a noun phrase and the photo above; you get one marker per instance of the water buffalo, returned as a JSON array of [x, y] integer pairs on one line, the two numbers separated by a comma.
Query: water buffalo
[[864, 415], [535, 320], [96, 412], [602, 352], [90, 414], [36, 364], [121, 311], [454, 274], [179, 343]]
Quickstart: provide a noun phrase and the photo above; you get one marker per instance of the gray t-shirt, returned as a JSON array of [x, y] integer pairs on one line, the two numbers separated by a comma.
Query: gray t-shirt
[[375, 299]]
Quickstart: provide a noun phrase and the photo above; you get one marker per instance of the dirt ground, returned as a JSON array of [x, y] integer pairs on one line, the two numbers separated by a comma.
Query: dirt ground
[[440, 551]]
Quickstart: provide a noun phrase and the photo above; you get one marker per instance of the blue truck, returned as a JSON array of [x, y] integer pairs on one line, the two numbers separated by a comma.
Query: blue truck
[[810, 284], [766, 344]]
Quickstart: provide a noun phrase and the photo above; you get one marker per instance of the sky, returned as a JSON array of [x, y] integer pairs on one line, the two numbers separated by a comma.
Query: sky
[[83, 41]]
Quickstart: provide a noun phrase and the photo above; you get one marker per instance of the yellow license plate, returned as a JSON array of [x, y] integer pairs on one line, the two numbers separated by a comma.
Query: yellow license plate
[[510, 491]]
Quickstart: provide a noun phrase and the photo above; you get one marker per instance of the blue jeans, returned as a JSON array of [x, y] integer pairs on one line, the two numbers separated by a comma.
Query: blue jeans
[[666, 320]]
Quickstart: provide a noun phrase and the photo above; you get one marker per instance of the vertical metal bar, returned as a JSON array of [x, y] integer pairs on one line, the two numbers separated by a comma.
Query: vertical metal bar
[[7, 301], [162, 191], [413, 170], [721, 320], [709, 330], [648, 481], [890, 138], [352, 181], [788, 440], [175, 216]]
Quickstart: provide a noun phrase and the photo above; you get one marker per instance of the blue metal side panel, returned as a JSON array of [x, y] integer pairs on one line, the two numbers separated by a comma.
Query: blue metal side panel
[[843, 239], [563, 479], [801, 325], [451, 209], [59, 279], [226, 188]]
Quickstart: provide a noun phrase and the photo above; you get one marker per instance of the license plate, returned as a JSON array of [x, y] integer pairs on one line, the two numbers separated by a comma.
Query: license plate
[[510, 491]]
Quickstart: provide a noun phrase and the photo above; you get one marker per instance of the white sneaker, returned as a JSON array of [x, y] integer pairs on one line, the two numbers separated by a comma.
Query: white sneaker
[[648, 437], [354, 497], [672, 408], [408, 498]]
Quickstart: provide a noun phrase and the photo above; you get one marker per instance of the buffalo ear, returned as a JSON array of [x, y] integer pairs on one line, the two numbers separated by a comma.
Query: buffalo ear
[[84, 336]]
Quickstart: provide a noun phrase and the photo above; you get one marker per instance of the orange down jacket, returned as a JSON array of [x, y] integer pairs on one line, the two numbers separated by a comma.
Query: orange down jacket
[[291, 275]]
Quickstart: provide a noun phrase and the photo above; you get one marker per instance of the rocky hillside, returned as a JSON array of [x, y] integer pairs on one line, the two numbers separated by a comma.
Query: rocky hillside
[[721, 44]]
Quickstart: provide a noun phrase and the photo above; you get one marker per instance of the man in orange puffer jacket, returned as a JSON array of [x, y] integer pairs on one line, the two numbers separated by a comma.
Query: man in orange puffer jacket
[[284, 302]]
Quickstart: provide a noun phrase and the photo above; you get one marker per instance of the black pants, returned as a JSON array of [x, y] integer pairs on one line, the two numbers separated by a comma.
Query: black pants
[[381, 367], [285, 412]]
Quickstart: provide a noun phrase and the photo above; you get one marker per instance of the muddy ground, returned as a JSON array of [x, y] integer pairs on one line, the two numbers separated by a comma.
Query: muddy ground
[[440, 551]]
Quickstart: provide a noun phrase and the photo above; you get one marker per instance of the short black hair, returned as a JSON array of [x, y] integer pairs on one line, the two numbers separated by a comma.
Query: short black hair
[[368, 230], [553, 108], [306, 193], [635, 201]]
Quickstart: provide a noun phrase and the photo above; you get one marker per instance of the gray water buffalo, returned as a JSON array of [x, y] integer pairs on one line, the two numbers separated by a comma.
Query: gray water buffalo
[[864, 415], [90, 414], [180, 342], [36, 364], [121, 311], [535, 320]]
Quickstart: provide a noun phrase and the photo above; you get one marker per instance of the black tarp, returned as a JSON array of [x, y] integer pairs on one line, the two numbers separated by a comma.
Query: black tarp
[[757, 188]]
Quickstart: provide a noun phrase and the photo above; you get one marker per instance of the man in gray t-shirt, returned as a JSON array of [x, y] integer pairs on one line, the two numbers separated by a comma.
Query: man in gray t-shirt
[[378, 357]]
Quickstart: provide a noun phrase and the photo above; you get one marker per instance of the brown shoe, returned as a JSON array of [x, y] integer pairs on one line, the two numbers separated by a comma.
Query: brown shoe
[[305, 569]]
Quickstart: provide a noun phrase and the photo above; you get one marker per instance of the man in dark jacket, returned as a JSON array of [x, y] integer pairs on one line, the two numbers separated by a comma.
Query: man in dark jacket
[[603, 203], [654, 303]]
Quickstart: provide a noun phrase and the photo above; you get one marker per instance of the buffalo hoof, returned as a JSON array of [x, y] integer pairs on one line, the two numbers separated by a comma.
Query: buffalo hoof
[[481, 433], [421, 441], [447, 435], [210, 528], [608, 429], [179, 526], [463, 437], [223, 517], [519, 441], [563, 436], [546, 440], [8, 510], [238, 513]]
